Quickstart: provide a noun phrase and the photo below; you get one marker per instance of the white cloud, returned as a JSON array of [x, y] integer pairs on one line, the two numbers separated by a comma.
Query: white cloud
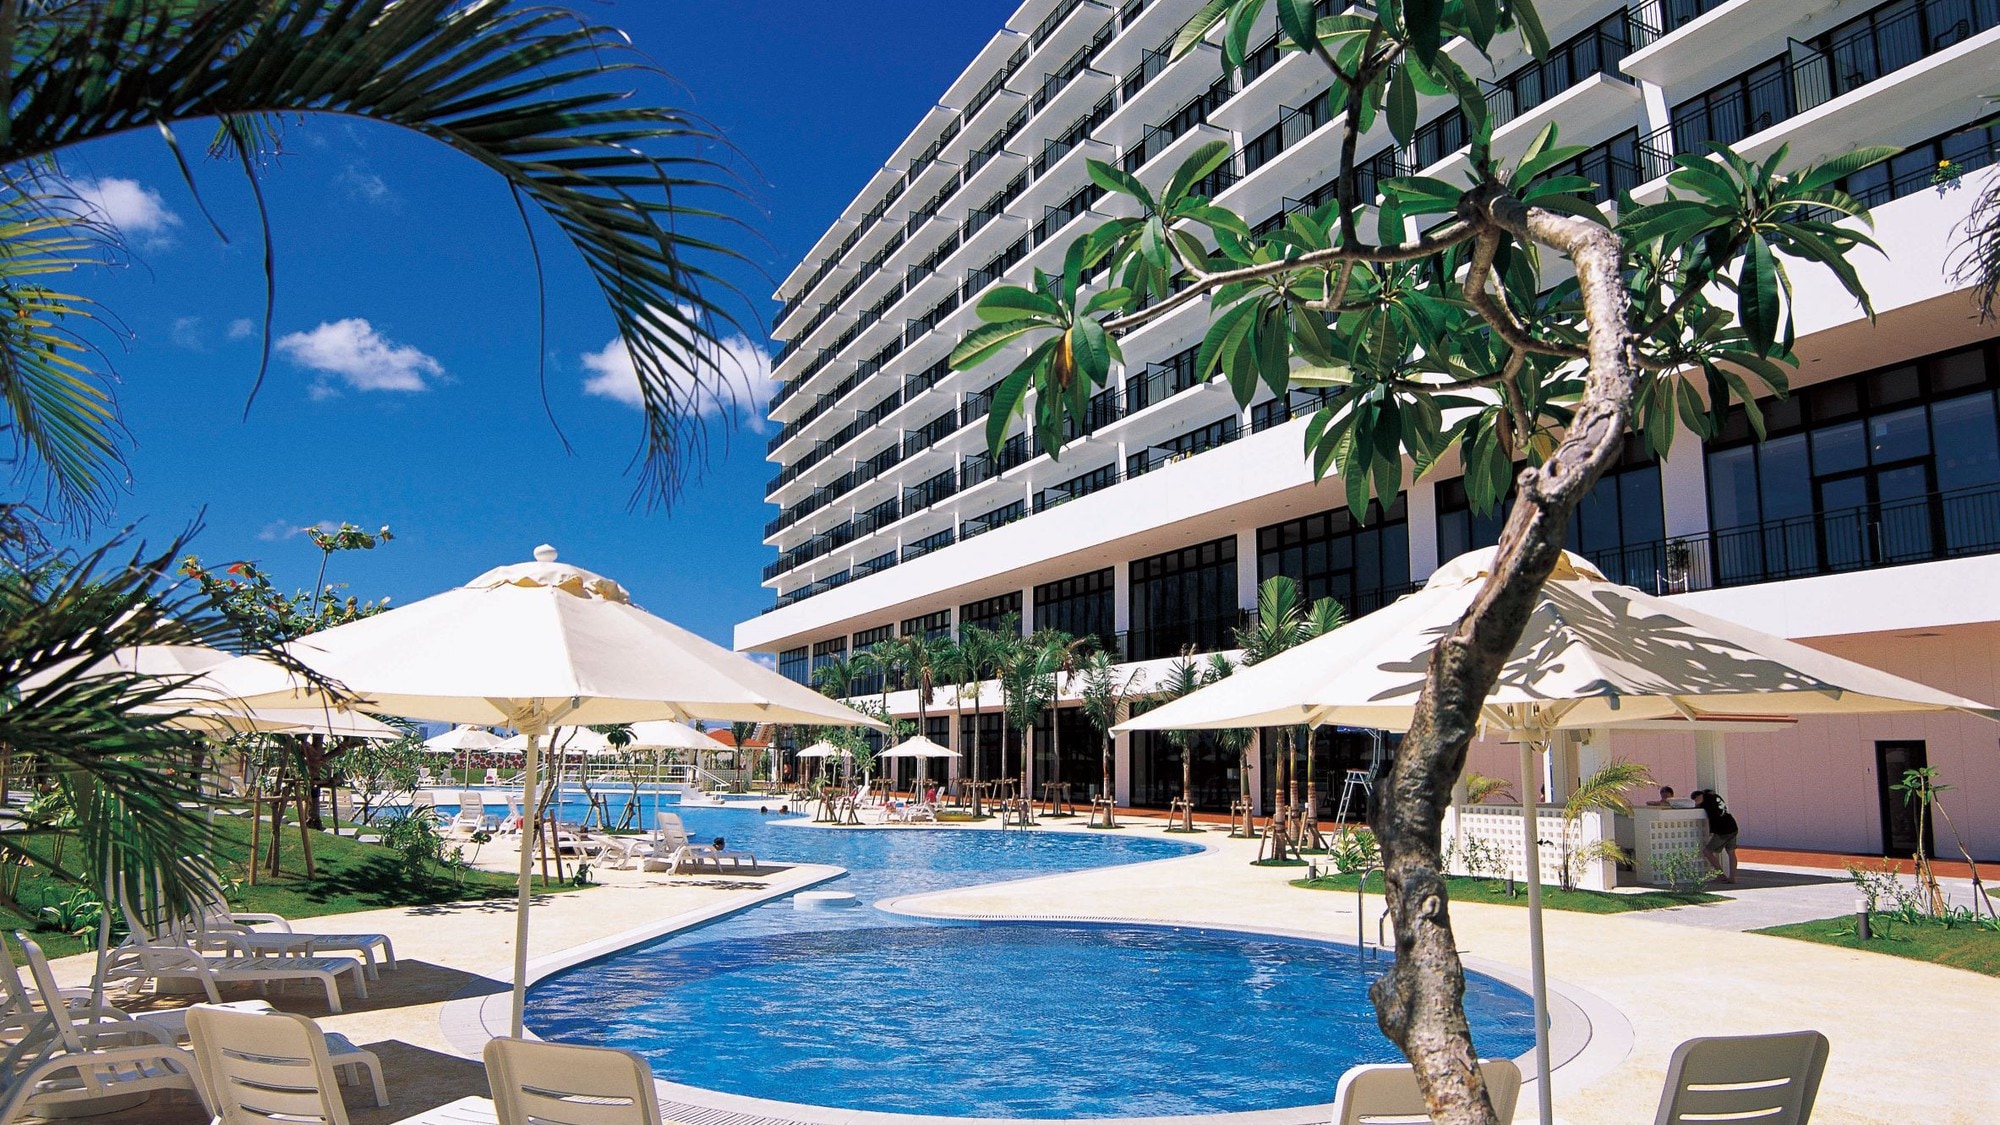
[[765, 660], [187, 333], [744, 365], [280, 530], [136, 210], [365, 185], [242, 328], [362, 359]]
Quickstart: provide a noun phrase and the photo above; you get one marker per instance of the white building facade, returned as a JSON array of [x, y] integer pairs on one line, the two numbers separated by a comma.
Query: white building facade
[[1868, 522]]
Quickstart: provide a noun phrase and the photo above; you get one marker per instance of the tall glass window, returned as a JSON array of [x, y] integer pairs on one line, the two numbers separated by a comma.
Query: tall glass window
[[827, 652], [1330, 555], [1184, 598], [1081, 606], [1156, 770], [991, 613], [1892, 466], [795, 664], [1620, 526], [933, 626], [870, 683]]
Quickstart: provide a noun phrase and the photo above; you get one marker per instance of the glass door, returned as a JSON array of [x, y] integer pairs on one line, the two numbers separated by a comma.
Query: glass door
[[1899, 817]]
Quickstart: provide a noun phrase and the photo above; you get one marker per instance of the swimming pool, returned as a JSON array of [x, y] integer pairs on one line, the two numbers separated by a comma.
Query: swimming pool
[[867, 1010]]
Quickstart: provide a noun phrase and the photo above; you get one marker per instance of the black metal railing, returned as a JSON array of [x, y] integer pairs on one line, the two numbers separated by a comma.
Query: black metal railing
[[1182, 447], [1652, 19], [937, 488], [878, 563], [1935, 163], [998, 517], [1083, 484], [930, 433], [1296, 404], [1157, 382], [1870, 46], [928, 544]]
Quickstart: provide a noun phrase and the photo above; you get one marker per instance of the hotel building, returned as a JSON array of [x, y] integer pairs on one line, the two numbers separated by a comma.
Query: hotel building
[[1867, 524]]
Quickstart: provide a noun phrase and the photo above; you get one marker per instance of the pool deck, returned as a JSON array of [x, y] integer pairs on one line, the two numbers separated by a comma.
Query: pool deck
[[1669, 975]]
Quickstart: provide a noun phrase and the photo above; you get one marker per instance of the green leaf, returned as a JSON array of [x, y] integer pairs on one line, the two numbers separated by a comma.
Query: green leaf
[[1010, 392], [1091, 348], [1846, 164], [1299, 21], [1198, 26], [1012, 302], [1757, 295], [1530, 23], [1114, 179], [1402, 107], [1206, 158], [1424, 19], [987, 341]]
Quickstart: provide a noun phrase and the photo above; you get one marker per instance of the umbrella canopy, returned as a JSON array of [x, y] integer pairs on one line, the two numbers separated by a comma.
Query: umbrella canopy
[[824, 750], [463, 738], [203, 705], [1593, 654], [917, 747], [661, 734], [562, 740], [528, 646], [542, 637]]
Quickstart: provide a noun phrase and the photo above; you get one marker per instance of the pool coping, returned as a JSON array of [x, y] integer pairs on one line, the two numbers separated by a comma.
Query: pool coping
[[1588, 1035]]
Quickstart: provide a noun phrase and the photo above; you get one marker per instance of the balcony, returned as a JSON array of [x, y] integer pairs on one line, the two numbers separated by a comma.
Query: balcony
[[1930, 528], [1862, 50], [938, 488], [1182, 447], [1082, 484], [998, 517], [927, 544]]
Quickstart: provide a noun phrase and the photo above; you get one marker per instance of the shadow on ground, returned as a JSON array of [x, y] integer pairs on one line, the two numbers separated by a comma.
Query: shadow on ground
[[413, 983]]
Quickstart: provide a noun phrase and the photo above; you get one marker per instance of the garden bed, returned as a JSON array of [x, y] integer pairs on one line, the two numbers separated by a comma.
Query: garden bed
[[1971, 946], [1466, 888]]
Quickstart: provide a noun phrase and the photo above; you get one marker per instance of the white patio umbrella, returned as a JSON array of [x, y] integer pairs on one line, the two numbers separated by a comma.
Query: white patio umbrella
[[202, 705], [461, 738], [823, 750], [662, 735], [920, 748], [529, 646], [1593, 654]]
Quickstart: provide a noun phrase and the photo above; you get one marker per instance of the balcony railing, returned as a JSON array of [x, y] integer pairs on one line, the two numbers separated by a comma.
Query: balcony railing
[[1872, 45], [998, 517], [1187, 445], [1081, 485], [1652, 19], [1940, 525], [928, 544]]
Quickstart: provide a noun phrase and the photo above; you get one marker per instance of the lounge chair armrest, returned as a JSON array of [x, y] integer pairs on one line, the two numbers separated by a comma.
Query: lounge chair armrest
[[277, 920]]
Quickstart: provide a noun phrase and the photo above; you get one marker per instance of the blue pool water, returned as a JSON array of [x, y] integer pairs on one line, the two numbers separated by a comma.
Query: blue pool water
[[868, 1010]]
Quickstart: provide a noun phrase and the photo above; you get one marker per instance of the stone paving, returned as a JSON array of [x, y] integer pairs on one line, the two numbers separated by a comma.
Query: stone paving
[[1911, 1041]]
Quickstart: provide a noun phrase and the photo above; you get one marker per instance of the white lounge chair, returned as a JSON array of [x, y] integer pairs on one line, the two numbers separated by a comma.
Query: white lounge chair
[[217, 927], [65, 1061], [274, 1067], [674, 853], [1387, 1094], [471, 816], [1768, 1079], [624, 853], [539, 1083], [147, 957]]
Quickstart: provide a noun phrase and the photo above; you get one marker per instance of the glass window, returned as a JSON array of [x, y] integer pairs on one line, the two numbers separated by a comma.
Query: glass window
[[991, 613], [1081, 606], [1968, 452], [1899, 436], [795, 664], [1838, 449], [1182, 599], [1363, 565]]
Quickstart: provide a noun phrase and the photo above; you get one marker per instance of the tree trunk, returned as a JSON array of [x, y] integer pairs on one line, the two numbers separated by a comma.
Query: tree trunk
[[1110, 752], [1419, 1002], [1187, 786]]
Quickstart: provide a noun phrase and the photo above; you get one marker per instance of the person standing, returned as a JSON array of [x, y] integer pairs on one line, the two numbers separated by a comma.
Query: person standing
[[1720, 848]]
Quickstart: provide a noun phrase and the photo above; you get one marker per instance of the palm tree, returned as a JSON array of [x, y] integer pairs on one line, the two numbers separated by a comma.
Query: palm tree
[[953, 667], [1022, 697], [1604, 789], [1285, 621], [883, 660], [918, 655], [836, 677], [1105, 696], [983, 651], [1057, 656], [104, 739], [522, 91], [1184, 677]]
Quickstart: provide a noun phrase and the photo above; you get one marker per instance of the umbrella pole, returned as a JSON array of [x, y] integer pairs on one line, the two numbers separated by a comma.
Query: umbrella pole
[[530, 823], [1537, 970]]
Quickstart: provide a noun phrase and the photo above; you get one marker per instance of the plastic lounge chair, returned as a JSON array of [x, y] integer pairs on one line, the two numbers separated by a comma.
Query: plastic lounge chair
[[624, 853], [218, 927], [471, 816], [673, 852], [65, 1062], [538, 1083], [1766, 1079], [1388, 1095], [274, 1067], [147, 957]]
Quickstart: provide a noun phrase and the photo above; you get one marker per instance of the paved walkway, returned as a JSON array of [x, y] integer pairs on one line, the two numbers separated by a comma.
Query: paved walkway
[[1768, 895]]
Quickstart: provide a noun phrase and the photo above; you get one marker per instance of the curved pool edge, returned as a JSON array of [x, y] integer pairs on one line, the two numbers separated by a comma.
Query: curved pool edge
[[480, 1013], [1589, 1036]]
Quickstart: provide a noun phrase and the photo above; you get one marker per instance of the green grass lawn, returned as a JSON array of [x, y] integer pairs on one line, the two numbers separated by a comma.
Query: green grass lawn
[[348, 876], [1468, 889], [1961, 946]]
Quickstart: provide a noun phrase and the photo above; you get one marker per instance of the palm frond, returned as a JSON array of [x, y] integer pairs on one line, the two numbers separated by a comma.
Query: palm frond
[[1606, 788], [105, 735], [538, 96]]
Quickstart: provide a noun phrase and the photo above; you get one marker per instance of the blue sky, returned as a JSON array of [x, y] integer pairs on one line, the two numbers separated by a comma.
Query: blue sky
[[405, 391]]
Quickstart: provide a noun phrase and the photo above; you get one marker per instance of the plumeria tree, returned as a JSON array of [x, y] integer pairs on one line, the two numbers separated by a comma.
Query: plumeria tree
[[1503, 316]]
